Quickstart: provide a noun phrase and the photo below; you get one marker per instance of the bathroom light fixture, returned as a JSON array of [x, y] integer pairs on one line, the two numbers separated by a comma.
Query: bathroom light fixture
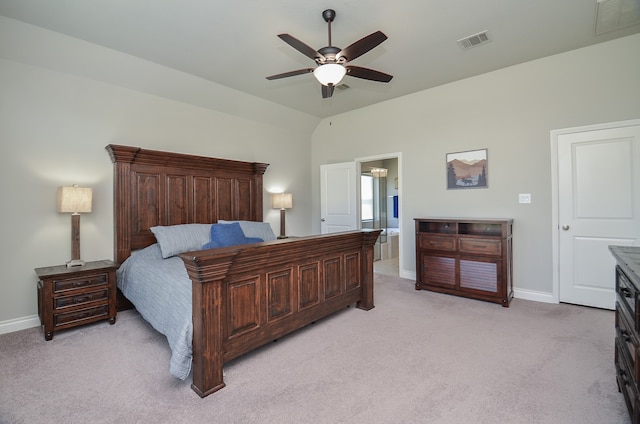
[[74, 200], [379, 172]]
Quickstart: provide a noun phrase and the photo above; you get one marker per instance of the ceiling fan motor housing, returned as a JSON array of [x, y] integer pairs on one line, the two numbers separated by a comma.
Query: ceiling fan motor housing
[[329, 55]]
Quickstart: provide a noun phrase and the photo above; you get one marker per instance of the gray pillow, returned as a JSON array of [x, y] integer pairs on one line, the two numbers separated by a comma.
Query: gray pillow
[[254, 229], [175, 239]]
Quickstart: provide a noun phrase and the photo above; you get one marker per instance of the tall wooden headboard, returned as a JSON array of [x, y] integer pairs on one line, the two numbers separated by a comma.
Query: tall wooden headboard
[[162, 188]]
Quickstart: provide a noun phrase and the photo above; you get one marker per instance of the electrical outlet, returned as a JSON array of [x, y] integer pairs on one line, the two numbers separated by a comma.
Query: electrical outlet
[[524, 198]]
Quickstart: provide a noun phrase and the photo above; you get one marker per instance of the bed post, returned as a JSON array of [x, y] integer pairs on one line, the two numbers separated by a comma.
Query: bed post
[[259, 170], [122, 158], [208, 324], [368, 240]]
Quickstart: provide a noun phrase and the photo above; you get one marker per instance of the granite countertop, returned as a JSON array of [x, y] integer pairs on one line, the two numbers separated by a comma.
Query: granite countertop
[[629, 255]]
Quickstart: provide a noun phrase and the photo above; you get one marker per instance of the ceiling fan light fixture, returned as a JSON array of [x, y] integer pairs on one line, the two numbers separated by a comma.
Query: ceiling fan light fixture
[[330, 73]]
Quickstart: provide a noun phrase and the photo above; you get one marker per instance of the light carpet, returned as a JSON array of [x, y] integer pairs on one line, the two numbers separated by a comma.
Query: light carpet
[[417, 357]]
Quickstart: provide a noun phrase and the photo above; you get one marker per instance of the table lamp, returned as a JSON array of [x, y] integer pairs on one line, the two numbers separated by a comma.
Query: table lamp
[[282, 201], [74, 200]]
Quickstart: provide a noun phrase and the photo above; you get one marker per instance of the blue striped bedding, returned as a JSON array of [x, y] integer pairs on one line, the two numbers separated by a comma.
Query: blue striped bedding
[[160, 289]]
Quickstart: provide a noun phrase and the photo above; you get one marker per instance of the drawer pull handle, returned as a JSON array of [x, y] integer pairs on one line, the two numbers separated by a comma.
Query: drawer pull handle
[[623, 376], [625, 291], [625, 335], [479, 246]]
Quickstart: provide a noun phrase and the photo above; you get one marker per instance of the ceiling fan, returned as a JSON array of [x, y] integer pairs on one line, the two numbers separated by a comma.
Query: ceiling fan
[[333, 62]]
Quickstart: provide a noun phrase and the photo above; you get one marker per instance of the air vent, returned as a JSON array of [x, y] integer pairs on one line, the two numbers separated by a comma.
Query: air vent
[[612, 15], [474, 40]]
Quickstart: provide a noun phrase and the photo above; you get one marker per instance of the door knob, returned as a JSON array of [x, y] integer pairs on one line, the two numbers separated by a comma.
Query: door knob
[[565, 227], [321, 219]]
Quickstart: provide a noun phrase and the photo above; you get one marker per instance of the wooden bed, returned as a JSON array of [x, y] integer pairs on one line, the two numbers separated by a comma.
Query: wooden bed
[[242, 296]]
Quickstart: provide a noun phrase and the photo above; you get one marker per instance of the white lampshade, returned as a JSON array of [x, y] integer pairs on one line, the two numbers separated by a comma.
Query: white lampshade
[[74, 199], [282, 201], [330, 73]]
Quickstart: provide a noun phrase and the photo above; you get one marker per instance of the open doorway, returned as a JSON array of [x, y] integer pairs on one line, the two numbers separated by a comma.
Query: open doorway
[[380, 208]]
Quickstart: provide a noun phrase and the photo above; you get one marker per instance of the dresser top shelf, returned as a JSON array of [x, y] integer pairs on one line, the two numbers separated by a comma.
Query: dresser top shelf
[[465, 227]]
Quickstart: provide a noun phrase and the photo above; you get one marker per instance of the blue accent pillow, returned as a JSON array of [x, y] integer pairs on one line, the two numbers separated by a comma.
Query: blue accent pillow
[[223, 235]]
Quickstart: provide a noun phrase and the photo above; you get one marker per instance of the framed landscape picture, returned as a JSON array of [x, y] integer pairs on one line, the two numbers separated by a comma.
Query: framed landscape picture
[[467, 169]]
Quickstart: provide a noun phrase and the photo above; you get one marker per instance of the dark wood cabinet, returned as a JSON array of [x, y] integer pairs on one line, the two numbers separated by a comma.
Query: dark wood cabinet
[[465, 257], [69, 297], [627, 358]]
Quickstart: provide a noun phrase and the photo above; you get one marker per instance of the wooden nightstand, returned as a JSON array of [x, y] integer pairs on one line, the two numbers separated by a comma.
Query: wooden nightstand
[[69, 297]]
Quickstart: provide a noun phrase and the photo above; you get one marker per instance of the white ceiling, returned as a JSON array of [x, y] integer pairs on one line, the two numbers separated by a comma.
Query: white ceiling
[[235, 43]]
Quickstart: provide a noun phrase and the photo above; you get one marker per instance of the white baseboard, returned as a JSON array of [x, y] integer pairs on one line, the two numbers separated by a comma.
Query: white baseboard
[[18, 324], [536, 296]]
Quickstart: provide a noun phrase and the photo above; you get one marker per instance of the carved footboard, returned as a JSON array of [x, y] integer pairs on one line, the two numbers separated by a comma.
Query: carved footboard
[[246, 296]]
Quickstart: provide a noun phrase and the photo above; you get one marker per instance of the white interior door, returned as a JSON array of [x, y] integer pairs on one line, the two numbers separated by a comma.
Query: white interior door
[[339, 197], [598, 206]]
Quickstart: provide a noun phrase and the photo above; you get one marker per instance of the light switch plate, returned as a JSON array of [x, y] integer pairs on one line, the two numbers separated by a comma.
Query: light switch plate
[[524, 197]]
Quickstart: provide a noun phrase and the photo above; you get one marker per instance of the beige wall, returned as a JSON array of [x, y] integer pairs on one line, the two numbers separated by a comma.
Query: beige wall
[[511, 113], [63, 100], [55, 124]]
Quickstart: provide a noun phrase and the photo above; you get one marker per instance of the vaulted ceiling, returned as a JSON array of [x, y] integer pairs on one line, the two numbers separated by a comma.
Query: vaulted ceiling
[[235, 43]]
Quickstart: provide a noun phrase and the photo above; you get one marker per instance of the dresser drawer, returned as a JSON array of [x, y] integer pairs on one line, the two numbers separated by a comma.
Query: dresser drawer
[[94, 280], [437, 243], [628, 296], [62, 302], [626, 384], [480, 246], [94, 313], [628, 342]]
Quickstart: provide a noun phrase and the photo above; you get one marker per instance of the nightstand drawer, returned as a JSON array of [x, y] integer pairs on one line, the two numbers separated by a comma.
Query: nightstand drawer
[[97, 312], [488, 247], [80, 282], [78, 299]]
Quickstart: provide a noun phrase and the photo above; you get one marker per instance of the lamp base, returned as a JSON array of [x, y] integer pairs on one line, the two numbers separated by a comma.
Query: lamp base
[[75, 262]]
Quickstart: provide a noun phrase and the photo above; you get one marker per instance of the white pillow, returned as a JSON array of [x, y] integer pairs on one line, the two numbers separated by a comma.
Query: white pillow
[[175, 239], [254, 229]]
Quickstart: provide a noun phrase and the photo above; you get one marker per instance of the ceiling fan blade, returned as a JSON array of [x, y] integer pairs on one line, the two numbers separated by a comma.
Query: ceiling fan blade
[[290, 74], [368, 74], [327, 91], [300, 46], [362, 46]]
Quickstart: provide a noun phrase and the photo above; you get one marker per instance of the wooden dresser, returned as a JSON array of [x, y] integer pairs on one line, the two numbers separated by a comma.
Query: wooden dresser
[[627, 343], [465, 257]]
